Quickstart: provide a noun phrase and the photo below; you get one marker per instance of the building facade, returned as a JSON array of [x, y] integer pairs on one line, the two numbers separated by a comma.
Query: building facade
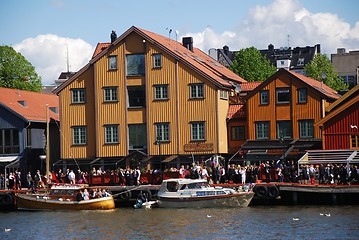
[[346, 64], [145, 97], [23, 124], [281, 114]]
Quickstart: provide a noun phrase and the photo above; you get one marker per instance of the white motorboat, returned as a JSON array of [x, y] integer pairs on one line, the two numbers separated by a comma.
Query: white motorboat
[[197, 193]]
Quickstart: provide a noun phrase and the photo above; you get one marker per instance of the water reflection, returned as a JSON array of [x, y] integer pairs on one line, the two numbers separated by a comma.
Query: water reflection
[[220, 223]]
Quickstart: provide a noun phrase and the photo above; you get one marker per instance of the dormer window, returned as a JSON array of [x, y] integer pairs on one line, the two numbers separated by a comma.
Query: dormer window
[[54, 109], [22, 103], [300, 62]]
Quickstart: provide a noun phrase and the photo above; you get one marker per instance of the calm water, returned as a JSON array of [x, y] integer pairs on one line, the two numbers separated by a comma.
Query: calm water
[[221, 223]]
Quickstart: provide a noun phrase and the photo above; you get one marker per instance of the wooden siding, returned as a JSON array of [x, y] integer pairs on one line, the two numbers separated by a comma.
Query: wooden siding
[[78, 115], [293, 110], [337, 130], [179, 110]]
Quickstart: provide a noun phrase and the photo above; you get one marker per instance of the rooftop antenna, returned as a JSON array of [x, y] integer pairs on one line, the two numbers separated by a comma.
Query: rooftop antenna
[[67, 58], [169, 32], [288, 36]]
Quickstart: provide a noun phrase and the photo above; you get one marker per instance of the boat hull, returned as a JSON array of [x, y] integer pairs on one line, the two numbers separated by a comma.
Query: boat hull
[[31, 202], [233, 200]]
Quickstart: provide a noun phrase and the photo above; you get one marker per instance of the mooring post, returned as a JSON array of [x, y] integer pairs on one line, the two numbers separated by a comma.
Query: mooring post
[[334, 199], [295, 197]]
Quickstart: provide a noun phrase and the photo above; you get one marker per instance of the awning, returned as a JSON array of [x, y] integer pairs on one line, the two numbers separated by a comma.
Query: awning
[[14, 164], [170, 158], [8, 159], [145, 160]]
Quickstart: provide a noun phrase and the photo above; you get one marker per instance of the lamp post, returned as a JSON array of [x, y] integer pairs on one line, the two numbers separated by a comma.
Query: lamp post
[[158, 143], [281, 140]]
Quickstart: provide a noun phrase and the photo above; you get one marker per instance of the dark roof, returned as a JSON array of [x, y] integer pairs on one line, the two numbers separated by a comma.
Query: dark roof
[[66, 75], [307, 53]]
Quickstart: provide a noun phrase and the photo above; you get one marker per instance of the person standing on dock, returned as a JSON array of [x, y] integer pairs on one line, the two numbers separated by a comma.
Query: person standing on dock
[[312, 174]]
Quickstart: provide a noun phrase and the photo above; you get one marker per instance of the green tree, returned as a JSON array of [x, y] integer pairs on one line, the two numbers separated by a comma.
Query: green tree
[[251, 65], [321, 69], [16, 72]]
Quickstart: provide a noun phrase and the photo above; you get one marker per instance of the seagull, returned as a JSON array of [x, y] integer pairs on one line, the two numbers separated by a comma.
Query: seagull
[[321, 214], [295, 219], [353, 126], [209, 216], [327, 214], [7, 229]]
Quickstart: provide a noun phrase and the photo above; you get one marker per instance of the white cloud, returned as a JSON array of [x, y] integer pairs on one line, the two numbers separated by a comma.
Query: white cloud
[[47, 53], [271, 24]]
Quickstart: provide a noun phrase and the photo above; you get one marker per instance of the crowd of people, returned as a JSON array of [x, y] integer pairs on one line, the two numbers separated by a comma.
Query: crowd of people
[[267, 171], [91, 194]]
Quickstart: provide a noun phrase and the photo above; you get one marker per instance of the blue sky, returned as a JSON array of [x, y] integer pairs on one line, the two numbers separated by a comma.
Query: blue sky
[[43, 30]]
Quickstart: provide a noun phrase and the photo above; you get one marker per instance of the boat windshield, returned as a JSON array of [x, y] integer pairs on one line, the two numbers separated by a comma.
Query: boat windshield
[[196, 185]]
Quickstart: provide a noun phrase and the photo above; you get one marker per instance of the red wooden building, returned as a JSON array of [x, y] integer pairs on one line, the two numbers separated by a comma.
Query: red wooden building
[[340, 125]]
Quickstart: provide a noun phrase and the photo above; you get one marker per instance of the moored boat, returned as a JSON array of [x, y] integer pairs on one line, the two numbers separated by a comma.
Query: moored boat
[[197, 193], [63, 197]]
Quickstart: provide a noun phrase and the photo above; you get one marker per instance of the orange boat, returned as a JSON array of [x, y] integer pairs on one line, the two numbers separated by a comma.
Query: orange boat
[[63, 197]]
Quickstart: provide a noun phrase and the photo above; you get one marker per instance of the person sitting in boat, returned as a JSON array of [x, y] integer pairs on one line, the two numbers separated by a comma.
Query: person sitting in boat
[[79, 196], [86, 195], [105, 193]]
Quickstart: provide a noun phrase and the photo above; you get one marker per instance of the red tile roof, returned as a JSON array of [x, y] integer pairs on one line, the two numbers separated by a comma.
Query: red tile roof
[[34, 109], [99, 48], [319, 86], [249, 86], [196, 60], [235, 111]]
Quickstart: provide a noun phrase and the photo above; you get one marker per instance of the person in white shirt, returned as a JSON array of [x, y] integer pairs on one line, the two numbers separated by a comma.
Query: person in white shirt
[[72, 177]]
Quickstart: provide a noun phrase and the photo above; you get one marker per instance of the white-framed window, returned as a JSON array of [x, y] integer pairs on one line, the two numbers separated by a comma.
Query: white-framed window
[[306, 129], [79, 135], [223, 94], [157, 60], [111, 134], [112, 62], [300, 62], [196, 91], [135, 64], [262, 130], [197, 131], [110, 94], [78, 95], [302, 95], [283, 95], [161, 92], [264, 95], [162, 132]]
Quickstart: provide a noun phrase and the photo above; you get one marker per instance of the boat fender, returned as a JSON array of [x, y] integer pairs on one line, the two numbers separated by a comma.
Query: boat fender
[[7, 199], [126, 195], [261, 191], [147, 194], [273, 191]]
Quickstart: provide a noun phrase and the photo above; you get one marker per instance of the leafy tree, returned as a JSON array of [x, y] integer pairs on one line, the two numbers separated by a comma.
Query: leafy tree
[[16, 72], [251, 65], [321, 69]]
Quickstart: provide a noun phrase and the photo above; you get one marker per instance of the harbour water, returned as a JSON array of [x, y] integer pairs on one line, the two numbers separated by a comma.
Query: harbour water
[[264, 222]]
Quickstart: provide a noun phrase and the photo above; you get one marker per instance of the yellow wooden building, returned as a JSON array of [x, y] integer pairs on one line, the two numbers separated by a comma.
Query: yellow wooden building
[[146, 97]]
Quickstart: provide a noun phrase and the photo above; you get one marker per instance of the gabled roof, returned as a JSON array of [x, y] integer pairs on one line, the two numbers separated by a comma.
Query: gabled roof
[[31, 106], [347, 96], [344, 102], [99, 48], [235, 111], [249, 86], [318, 86], [197, 60]]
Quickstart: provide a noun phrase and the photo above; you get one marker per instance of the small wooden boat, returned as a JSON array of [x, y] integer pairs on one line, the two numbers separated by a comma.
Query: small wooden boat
[[197, 193], [63, 197]]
